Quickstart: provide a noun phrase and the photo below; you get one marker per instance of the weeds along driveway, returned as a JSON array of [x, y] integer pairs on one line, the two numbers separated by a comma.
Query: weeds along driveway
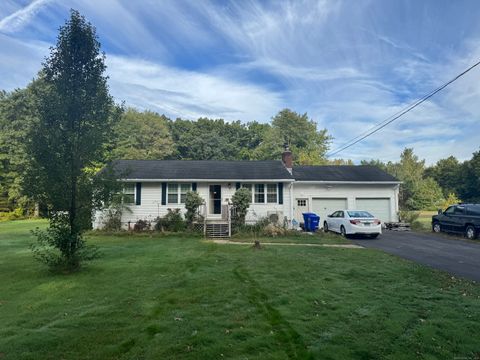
[[458, 257]]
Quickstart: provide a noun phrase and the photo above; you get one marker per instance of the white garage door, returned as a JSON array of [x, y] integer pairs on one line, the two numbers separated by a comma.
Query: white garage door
[[326, 206], [379, 207]]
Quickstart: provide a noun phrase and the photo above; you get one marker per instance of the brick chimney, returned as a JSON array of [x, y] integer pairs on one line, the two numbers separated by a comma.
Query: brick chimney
[[287, 158]]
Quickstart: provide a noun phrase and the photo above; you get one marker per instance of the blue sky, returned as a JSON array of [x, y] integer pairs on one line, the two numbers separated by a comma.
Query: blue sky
[[348, 64]]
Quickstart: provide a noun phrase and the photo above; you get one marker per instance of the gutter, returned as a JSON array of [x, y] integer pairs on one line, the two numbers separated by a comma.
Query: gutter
[[210, 180], [350, 182]]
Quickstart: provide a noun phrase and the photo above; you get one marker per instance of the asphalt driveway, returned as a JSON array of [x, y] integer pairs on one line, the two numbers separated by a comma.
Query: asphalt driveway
[[458, 257]]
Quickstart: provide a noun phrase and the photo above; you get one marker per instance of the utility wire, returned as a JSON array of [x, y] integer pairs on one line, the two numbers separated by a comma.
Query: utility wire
[[397, 115]]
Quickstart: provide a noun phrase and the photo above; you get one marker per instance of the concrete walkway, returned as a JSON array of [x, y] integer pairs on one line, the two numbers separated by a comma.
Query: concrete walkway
[[344, 246]]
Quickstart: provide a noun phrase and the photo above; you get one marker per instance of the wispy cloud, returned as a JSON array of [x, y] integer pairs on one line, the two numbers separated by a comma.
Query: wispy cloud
[[348, 64], [21, 17], [188, 94]]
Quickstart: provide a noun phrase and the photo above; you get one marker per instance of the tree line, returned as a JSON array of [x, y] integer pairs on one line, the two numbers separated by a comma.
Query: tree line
[[448, 181], [148, 135]]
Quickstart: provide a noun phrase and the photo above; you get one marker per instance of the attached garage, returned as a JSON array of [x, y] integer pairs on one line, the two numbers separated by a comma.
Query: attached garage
[[379, 207], [326, 206]]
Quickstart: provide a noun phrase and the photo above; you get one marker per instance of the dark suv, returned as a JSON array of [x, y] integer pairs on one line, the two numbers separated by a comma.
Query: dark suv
[[462, 218]]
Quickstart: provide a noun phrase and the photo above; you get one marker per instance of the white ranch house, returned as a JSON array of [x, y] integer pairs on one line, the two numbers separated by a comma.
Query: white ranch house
[[278, 187]]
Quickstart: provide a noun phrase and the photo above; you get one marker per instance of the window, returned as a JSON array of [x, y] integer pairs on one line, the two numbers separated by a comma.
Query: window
[[335, 214], [459, 210], [128, 193], [259, 193], [359, 214], [271, 193], [302, 202], [473, 210], [450, 210], [340, 214], [176, 193], [184, 188], [172, 193]]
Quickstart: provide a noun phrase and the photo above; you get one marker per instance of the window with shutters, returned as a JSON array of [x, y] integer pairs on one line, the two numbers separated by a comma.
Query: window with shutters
[[128, 194], [271, 193], [184, 188], [176, 193]]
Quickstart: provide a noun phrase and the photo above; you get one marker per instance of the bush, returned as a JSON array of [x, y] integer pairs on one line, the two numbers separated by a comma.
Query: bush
[[408, 216], [141, 225], [16, 214], [173, 221], [273, 230], [241, 202], [192, 203], [59, 249], [251, 229], [112, 218]]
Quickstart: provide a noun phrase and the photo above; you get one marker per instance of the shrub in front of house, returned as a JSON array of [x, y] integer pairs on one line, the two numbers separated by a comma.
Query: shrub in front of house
[[141, 225], [241, 202], [172, 221], [192, 202]]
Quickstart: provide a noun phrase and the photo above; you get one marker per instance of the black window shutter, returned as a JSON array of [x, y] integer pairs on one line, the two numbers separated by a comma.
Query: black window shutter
[[194, 186], [237, 185], [164, 193], [280, 193], [138, 199]]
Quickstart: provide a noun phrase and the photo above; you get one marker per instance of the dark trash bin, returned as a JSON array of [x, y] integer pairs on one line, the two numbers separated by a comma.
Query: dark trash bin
[[311, 221]]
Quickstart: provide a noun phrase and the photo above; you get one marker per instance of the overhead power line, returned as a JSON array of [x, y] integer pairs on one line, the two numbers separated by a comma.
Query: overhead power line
[[397, 115]]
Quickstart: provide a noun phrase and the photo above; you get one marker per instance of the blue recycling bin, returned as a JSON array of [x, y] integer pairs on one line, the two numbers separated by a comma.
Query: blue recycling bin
[[311, 221]]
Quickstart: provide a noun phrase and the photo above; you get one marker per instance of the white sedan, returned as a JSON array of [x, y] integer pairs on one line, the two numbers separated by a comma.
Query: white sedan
[[351, 222]]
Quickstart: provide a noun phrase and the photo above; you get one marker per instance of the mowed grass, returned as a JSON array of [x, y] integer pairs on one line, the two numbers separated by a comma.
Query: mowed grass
[[182, 298]]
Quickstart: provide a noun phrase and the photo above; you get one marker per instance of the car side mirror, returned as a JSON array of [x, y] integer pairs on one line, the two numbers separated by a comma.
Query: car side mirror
[[329, 215], [439, 212]]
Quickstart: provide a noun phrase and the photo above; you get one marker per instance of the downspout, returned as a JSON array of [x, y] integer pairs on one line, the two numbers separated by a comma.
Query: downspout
[[291, 204]]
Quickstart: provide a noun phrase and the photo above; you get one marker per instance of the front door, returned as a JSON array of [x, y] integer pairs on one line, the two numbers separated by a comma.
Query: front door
[[301, 207], [215, 207]]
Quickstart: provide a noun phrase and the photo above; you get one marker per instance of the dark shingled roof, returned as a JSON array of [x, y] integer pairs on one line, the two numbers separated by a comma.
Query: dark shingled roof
[[244, 170], [341, 173], [201, 169]]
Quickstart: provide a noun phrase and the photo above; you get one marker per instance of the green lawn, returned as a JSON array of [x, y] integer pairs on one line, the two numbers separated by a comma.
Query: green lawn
[[183, 298]]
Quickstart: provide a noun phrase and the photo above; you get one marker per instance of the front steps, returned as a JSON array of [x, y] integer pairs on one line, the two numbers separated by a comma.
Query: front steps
[[217, 230]]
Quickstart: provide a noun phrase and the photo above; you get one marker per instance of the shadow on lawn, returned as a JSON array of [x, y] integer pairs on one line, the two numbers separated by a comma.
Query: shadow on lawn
[[283, 331]]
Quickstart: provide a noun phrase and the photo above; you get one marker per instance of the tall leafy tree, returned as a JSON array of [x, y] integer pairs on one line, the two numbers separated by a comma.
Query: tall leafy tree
[[308, 144], [143, 135], [76, 116], [470, 178], [448, 174], [17, 114]]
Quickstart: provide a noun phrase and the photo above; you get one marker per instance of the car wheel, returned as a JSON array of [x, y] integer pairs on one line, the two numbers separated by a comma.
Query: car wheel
[[342, 231], [436, 227], [470, 232], [325, 227]]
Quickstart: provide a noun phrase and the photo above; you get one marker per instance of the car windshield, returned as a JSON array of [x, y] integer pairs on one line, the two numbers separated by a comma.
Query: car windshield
[[360, 214]]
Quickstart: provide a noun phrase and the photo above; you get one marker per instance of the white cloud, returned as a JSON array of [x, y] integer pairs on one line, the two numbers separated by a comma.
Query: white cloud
[[188, 94], [21, 17]]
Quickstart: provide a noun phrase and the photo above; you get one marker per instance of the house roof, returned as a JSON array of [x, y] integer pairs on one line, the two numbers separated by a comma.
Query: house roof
[[201, 170], [354, 173], [244, 170]]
